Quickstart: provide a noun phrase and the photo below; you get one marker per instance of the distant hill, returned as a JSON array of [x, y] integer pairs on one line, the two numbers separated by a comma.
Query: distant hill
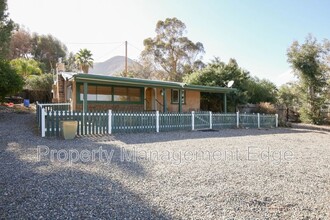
[[113, 66]]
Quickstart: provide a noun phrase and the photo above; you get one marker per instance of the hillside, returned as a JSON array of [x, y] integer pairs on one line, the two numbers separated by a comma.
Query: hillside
[[113, 66]]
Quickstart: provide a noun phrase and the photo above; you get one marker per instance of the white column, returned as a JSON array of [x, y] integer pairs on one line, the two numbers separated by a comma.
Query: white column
[[157, 121], [210, 120], [237, 119], [258, 120], [193, 120], [109, 121]]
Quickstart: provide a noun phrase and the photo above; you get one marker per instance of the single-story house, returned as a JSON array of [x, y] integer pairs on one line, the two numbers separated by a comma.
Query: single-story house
[[100, 92]]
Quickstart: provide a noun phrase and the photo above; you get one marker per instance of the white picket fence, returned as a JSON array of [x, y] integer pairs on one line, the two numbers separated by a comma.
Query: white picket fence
[[108, 122]]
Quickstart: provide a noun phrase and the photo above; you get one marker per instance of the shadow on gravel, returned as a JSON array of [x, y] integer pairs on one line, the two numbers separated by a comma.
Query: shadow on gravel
[[186, 135], [66, 193], [32, 189]]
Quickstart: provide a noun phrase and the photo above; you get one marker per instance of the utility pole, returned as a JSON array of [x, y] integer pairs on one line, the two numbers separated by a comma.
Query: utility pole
[[126, 71]]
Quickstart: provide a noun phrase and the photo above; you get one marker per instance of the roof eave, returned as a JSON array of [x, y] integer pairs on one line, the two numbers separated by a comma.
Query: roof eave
[[149, 83]]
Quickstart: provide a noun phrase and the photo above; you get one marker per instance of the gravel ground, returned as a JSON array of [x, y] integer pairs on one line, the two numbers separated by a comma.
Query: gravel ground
[[227, 174]]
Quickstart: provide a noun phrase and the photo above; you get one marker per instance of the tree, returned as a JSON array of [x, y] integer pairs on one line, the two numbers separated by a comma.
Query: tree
[[248, 89], [47, 50], [261, 90], [218, 73], [20, 44], [10, 82], [288, 95], [6, 27], [309, 62], [70, 63], [26, 67], [84, 60], [40, 86], [171, 51]]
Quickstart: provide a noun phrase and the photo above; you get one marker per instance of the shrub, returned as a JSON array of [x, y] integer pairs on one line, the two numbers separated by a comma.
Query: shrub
[[266, 108]]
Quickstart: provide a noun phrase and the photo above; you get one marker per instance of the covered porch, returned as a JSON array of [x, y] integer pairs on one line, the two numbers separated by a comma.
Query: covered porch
[[98, 92]]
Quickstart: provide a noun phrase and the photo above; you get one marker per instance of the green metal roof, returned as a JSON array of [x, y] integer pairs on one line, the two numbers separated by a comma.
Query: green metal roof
[[124, 81]]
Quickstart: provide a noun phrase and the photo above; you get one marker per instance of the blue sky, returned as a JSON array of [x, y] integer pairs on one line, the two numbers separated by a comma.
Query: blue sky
[[255, 33]]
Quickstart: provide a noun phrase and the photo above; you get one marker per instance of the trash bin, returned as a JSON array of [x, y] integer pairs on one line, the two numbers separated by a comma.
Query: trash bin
[[26, 102], [68, 129]]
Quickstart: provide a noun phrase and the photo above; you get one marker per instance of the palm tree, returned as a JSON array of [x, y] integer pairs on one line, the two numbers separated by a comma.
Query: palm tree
[[84, 60]]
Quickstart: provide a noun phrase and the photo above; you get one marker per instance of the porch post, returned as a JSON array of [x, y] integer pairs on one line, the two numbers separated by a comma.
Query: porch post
[[180, 101], [225, 103], [164, 101], [85, 108]]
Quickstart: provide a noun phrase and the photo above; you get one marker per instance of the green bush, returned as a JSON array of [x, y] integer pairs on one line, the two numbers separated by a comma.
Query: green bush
[[10, 81]]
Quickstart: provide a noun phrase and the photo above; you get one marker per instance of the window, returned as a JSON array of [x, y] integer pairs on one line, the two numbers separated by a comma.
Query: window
[[134, 94], [127, 94], [91, 93], [120, 94], [104, 93], [175, 96], [111, 93]]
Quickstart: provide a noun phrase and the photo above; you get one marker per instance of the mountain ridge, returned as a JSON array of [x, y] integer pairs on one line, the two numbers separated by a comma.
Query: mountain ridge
[[113, 66]]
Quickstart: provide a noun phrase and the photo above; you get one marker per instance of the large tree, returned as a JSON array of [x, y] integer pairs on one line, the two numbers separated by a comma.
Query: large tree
[[6, 27], [10, 82], [309, 62], [248, 89], [47, 50], [218, 73], [26, 67], [261, 90], [70, 63], [171, 51], [84, 60], [20, 44]]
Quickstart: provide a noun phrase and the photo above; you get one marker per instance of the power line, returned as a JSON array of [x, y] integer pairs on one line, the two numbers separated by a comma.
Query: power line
[[95, 43], [140, 50], [115, 48]]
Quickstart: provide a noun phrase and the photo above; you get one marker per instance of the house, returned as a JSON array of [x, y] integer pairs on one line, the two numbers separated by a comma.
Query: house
[[99, 92]]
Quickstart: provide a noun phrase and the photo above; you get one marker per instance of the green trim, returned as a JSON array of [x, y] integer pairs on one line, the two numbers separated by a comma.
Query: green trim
[[180, 100], [85, 101], [164, 100], [134, 82], [79, 101], [225, 103]]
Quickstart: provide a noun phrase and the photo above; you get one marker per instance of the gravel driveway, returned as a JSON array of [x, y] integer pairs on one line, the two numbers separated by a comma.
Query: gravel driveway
[[227, 174]]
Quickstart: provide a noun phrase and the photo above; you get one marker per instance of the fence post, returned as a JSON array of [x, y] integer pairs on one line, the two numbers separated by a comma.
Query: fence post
[[193, 120], [237, 119], [43, 118], [210, 119], [157, 121], [109, 121], [258, 120], [276, 120], [37, 112]]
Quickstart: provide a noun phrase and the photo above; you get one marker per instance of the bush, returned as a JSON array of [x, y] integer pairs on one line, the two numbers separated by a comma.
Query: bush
[[266, 108], [10, 82]]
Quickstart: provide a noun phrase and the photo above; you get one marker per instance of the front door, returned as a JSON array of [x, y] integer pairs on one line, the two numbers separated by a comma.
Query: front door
[[150, 99]]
